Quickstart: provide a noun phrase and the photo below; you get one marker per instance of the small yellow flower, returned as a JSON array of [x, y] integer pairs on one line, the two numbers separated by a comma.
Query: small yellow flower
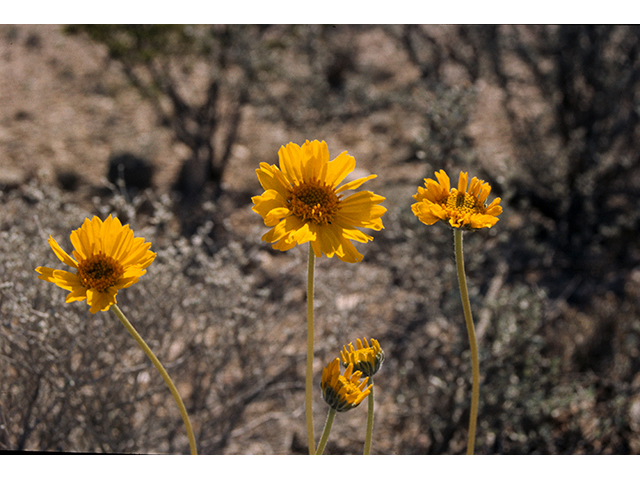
[[366, 359], [303, 202], [461, 207], [343, 392], [107, 258]]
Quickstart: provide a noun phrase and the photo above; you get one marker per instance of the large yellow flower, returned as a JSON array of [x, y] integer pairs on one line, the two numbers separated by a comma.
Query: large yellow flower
[[107, 258], [303, 202], [343, 392], [462, 207]]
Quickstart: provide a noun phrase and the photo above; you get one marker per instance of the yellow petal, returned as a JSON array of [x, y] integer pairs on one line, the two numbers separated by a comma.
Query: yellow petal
[[474, 187], [352, 185], [357, 235], [101, 301], [66, 280], [139, 254], [443, 180], [333, 242], [80, 241], [362, 210], [129, 278], [77, 295], [462, 182], [46, 274], [314, 159], [290, 162], [483, 221], [61, 254], [484, 193], [112, 235], [494, 208], [339, 168], [289, 232], [271, 178], [124, 245], [271, 206]]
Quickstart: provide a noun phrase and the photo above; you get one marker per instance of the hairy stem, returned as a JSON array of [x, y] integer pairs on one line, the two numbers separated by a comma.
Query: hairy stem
[[475, 362], [327, 429], [309, 375], [163, 373], [367, 441]]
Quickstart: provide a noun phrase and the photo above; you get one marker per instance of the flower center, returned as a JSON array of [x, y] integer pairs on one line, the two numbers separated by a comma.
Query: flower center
[[99, 272], [314, 201], [349, 387], [364, 354], [462, 202]]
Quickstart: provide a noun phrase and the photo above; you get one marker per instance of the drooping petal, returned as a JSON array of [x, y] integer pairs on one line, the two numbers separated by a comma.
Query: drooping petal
[[61, 254], [101, 301], [77, 295], [427, 213], [271, 178], [46, 274], [293, 229], [271, 206]]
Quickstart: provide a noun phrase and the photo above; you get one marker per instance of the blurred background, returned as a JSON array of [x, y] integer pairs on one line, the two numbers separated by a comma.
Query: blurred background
[[164, 127]]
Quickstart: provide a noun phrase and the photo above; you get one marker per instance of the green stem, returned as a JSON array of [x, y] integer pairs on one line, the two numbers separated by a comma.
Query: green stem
[[367, 441], [327, 429], [309, 375], [163, 373], [475, 362]]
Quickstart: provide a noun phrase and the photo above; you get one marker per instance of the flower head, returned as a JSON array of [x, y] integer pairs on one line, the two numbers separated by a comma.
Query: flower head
[[462, 207], [303, 202], [107, 258], [343, 392], [366, 359]]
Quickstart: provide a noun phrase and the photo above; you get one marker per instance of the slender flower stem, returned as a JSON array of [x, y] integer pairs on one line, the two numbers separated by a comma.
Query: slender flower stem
[[475, 362], [327, 429], [309, 376], [367, 441], [163, 373]]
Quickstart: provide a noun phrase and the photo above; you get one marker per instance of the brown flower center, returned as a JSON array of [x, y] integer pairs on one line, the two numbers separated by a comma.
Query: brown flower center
[[463, 202], [314, 201], [99, 272]]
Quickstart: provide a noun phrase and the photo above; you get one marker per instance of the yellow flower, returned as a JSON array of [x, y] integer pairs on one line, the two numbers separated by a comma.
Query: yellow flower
[[343, 392], [107, 258], [366, 359], [303, 202], [461, 207]]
